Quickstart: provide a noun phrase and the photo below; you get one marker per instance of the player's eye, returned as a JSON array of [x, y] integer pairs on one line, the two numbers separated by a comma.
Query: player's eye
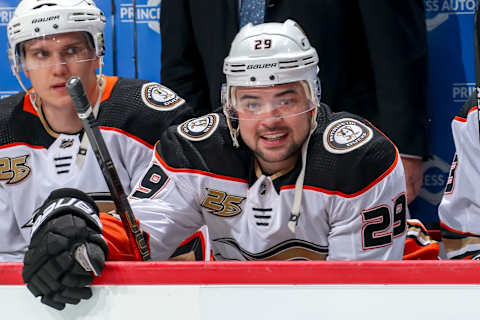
[[253, 106], [286, 102], [70, 51], [249, 105], [40, 54]]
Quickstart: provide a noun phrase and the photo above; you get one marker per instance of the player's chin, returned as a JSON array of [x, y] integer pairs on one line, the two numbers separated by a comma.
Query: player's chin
[[61, 101], [273, 155]]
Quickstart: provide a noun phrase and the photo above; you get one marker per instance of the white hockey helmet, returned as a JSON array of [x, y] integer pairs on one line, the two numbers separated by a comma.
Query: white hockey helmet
[[266, 55], [38, 18]]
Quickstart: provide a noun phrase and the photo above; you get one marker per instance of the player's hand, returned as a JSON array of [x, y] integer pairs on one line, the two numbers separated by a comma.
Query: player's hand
[[413, 176], [66, 250]]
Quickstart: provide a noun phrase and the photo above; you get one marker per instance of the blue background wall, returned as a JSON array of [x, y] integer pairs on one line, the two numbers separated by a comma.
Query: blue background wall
[[451, 75]]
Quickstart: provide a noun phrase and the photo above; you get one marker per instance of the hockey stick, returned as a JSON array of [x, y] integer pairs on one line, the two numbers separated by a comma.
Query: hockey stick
[[476, 40], [84, 111]]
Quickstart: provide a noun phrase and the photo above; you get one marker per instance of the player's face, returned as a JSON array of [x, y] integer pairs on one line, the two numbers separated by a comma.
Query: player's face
[[50, 61], [275, 137]]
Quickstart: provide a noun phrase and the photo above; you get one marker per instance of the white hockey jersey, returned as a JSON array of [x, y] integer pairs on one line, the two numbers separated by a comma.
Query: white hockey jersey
[[34, 160], [353, 205], [459, 210]]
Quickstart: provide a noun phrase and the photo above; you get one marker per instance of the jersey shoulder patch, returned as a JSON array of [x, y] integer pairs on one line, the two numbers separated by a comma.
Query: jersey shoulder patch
[[345, 135], [159, 97], [199, 129]]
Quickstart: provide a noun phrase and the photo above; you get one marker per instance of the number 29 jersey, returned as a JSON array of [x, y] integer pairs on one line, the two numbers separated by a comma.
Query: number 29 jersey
[[353, 205]]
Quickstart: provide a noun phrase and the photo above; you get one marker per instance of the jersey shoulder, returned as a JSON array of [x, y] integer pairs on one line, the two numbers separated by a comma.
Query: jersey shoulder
[[203, 144], [141, 108], [470, 105], [19, 122], [347, 154]]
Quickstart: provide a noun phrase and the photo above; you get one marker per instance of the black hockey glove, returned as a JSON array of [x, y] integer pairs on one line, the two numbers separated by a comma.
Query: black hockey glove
[[66, 247]]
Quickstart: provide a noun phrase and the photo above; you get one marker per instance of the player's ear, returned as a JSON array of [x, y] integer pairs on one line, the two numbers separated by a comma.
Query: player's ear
[[27, 74]]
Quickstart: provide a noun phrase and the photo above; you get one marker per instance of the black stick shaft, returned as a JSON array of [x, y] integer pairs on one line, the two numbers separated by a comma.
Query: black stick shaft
[[85, 113]]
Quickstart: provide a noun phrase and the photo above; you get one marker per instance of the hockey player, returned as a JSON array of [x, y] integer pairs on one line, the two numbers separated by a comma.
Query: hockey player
[[278, 176], [459, 210], [42, 145]]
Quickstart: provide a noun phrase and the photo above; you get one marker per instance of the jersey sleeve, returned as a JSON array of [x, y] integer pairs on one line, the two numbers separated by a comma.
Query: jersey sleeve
[[370, 224], [136, 158], [167, 208], [459, 210], [119, 246]]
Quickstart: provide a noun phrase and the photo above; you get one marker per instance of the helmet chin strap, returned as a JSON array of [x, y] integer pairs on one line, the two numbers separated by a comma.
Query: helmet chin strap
[[226, 97], [15, 72], [233, 132], [298, 193]]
